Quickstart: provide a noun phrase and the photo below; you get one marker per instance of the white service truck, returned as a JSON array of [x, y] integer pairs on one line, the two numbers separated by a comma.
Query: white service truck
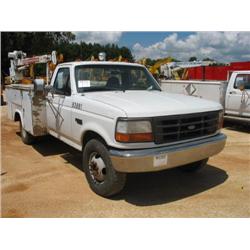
[[233, 95], [119, 118]]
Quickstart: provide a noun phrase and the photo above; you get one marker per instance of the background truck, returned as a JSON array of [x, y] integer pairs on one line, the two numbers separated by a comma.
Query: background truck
[[119, 118], [233, 95]]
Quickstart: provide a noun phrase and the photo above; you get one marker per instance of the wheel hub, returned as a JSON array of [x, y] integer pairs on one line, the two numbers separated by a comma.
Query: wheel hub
[[97, 167]]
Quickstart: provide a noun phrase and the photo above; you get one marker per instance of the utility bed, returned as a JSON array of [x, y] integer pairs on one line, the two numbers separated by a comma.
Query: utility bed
[[21, 99]]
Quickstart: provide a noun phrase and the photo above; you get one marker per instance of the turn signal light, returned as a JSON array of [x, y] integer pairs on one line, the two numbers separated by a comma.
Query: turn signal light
[[138, 137]]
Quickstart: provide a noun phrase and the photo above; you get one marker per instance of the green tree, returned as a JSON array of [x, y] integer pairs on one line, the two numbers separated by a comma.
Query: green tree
[[38, 43], [150, 62], [192, 59], [207, 59], [84, 51], [33, 43]]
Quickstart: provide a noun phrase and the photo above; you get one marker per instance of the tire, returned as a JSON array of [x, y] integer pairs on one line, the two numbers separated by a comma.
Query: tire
[[2, 101], [103, 179], [27, 138], [194, 167]]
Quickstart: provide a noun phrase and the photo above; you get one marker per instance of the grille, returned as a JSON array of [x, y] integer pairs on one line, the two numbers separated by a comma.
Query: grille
[[183, 127]]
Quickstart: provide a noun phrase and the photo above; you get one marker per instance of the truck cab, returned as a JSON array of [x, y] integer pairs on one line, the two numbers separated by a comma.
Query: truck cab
[[237, 101]]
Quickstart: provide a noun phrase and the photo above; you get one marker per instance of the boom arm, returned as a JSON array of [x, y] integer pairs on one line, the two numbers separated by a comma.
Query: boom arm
[[20, 62]]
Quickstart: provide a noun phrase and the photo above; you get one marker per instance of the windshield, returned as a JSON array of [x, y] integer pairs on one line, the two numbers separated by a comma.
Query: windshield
[[113, 77]]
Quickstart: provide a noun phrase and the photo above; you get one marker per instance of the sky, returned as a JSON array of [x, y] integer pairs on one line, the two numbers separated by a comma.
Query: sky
[[220, 46]]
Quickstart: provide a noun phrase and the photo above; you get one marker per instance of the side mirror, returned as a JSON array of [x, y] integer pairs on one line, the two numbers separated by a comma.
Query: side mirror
[[49, 89], [39, 86]]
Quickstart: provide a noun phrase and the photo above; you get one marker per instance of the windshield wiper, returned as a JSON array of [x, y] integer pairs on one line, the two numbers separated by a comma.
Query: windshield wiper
[[100, 89], [154, 89]]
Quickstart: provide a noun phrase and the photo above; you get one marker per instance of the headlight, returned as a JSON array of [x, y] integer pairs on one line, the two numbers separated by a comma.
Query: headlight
[[221, 119], [133, 131]]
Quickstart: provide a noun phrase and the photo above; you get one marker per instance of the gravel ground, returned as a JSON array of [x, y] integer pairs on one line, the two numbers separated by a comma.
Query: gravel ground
[[46, 180]]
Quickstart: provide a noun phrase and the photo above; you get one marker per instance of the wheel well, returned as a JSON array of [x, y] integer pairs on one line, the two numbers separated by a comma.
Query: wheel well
[[91, 135], [17, 117]]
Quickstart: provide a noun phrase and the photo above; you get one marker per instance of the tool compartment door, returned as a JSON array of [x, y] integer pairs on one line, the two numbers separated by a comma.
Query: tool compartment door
[[27, 111], [39, 123]]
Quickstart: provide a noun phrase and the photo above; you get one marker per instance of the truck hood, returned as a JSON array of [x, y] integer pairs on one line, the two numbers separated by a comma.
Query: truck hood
[[153, 103]]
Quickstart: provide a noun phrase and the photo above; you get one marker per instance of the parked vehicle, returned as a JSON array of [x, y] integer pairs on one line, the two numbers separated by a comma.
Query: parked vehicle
[[233, 95], [121, 120]]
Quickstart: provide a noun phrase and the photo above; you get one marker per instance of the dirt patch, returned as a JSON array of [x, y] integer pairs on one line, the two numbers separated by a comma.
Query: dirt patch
[[15, 188], [13, 213]]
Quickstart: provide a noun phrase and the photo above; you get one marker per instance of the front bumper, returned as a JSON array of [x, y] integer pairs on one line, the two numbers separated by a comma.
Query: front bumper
[[155, 159]]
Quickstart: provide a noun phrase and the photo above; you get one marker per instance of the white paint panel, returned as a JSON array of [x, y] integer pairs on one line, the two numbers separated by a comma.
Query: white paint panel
[[209, 90]]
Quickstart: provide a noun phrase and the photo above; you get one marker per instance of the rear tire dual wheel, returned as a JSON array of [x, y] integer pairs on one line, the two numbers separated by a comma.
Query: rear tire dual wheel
[[195, 166], [27, 138], [103, 179]]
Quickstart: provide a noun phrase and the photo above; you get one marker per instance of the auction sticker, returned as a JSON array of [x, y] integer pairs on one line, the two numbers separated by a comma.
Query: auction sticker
[[160, 160], [83, 83]]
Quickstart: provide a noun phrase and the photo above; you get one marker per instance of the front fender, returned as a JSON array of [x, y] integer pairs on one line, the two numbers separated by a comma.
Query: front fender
[[98, 129]]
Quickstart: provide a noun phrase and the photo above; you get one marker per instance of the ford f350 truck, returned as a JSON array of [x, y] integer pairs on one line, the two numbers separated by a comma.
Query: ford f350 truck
[[233, 95], [119, 118]]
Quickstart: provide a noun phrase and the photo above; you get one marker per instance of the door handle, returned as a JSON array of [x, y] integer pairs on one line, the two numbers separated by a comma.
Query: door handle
[[78, 121], [232, 92]]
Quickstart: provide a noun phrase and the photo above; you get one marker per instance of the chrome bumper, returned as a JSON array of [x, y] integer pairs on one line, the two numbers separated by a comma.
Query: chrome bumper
[[155, 159]]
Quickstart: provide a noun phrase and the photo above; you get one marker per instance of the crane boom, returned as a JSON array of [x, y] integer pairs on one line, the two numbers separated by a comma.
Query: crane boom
[[20, 62]]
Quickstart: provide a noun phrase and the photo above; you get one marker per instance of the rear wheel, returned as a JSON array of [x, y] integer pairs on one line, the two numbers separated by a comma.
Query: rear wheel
[[195, 166], [2, 101], [103, 179], [27, 138]]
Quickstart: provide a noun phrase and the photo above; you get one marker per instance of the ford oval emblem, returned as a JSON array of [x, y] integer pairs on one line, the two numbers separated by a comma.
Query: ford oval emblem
[[191, 127]]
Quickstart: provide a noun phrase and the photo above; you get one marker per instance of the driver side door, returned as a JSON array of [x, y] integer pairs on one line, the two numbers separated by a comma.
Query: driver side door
[[59, 104]]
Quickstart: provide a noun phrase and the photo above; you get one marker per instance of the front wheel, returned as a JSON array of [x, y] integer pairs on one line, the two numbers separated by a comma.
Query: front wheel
[[195, 166], [103, 179], [27, 138]]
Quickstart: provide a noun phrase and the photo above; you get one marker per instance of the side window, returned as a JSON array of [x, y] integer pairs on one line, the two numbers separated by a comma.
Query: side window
[[62, 82], [242, 79]]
